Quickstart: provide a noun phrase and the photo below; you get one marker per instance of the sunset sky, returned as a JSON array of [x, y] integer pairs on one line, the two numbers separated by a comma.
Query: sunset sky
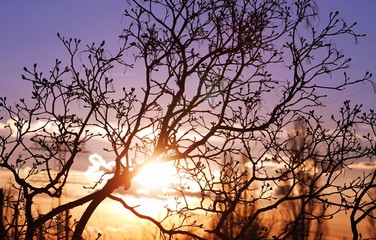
[[28, 35]]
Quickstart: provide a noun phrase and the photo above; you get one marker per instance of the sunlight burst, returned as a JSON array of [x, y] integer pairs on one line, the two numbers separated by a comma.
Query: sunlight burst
[[157, 176]]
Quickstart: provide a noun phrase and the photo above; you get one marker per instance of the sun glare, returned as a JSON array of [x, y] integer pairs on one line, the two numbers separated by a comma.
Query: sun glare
[[156, 176]]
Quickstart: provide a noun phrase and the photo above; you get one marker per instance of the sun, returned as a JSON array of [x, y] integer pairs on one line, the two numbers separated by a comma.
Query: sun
[[155, 176]]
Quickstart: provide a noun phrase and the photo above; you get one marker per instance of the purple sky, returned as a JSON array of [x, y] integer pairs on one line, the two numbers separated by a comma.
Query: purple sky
[[28, 35]]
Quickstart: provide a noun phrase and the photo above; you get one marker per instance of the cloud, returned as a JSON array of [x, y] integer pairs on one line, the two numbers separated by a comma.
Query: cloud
[[98, 166], [369, 165], [10, 126]]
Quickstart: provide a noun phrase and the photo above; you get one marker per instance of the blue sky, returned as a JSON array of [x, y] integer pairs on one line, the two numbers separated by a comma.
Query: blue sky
[[28, 35]]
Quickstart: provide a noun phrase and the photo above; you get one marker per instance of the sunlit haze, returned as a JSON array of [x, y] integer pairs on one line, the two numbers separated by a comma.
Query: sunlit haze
[[28, 35]]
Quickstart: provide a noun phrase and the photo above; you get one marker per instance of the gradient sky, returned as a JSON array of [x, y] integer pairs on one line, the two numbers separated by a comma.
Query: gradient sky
[[28, 35]]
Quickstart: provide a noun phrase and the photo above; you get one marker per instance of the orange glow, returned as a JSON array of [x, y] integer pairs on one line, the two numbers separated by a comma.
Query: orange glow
[[156, 176]]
